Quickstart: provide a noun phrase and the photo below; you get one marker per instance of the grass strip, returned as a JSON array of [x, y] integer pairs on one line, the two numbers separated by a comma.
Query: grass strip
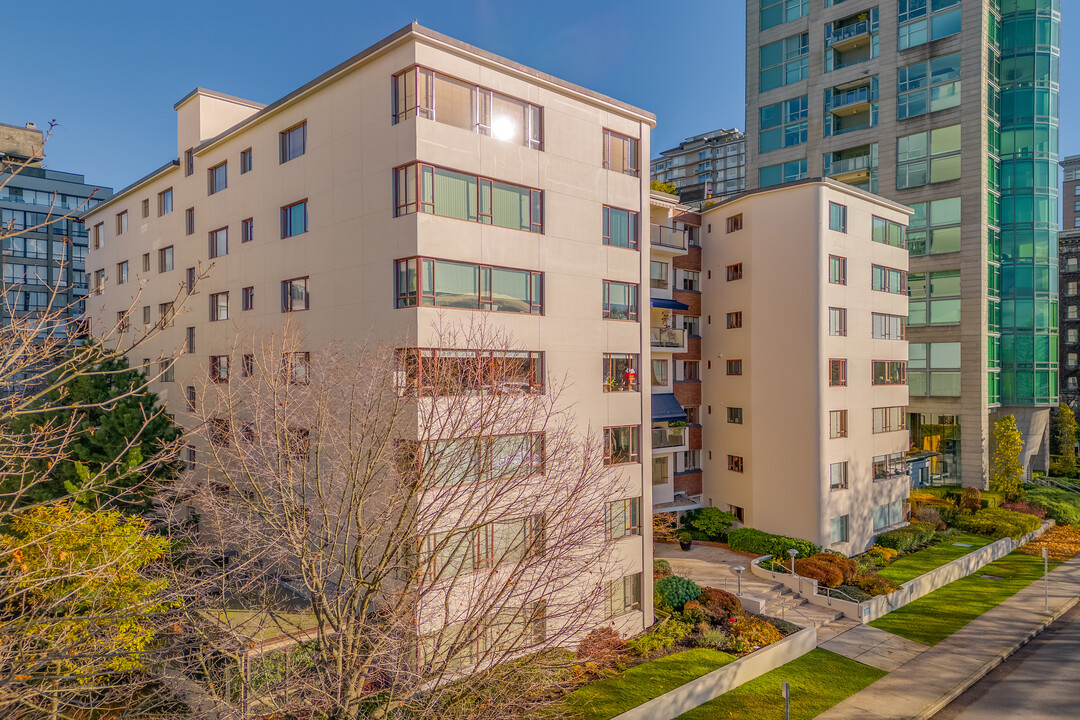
[[923, 561]]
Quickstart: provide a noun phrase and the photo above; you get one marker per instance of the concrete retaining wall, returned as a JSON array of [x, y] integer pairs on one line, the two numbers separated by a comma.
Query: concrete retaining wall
[[707, 687]]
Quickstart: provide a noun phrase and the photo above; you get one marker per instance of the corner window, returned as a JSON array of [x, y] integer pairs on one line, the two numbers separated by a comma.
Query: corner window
[[891, 372], [887, 279], [294, 219], [622, 518], [838, 530], [624, 596], [293, 142], [888, 327], [218, 178], [620, 153], [888, 232]]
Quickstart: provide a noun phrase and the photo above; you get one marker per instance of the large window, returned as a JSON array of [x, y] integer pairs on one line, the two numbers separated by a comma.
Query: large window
[[478, 459], [419, 92], [445, 372], [294, 295], [621, 372], [293, 142], [443, 283], [935, 369], [928, 157], [620, 228], [621, 445], [438, 191], [456, 552], [934, 298], [889, 466], [622, 518], [888, 327], [658, 275], [783, 124], [294, 219], [778, 12], [934, 227], [889, 372], [889, 419], [838, 476], [887, 232], [784, 62], [621, 153], [620, 301], [838, 530], [782, 173], [891, 513], [919, 24], [887, 279], [928, 86], [624, 596]]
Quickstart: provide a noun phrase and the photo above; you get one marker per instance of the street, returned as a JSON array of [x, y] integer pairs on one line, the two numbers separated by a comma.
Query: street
[[1042, 680]]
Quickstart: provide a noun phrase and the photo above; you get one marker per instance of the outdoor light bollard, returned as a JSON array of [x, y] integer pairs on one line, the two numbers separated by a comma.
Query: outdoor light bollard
[[738, 573], [793, 552]]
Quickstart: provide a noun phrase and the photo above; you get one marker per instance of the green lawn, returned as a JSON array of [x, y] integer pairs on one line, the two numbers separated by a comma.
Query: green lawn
[[923, 561], [818, 680], [934, 617], [610, 697]]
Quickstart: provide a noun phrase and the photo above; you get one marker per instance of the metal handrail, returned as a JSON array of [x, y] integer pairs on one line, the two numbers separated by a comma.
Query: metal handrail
[[849, 31], [829, 593]]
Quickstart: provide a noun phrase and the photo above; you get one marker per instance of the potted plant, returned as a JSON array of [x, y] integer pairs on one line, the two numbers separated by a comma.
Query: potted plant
[[685, 541]]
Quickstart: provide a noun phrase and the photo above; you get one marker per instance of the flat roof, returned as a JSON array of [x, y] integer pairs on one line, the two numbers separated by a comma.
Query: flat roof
[[828, 182]]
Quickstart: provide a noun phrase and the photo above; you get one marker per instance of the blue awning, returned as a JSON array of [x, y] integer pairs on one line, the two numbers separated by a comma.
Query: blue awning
[[665, 408], [669, 304]]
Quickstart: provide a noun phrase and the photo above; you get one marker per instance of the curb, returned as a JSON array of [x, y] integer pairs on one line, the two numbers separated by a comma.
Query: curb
[[960, 688]]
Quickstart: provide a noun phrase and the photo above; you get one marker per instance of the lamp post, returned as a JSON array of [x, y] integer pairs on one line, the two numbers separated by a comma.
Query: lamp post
[[793, 552], [1046, 579], [739, 569]]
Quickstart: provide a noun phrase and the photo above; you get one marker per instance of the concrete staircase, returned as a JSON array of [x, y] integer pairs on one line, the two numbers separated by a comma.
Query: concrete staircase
[[785, 604]]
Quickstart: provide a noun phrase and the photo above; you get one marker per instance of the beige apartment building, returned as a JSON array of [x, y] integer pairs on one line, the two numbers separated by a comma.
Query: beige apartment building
[[420, 180], [804, 304]]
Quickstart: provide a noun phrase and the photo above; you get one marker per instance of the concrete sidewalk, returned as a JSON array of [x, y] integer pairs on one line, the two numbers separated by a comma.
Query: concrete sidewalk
[[931, 680]]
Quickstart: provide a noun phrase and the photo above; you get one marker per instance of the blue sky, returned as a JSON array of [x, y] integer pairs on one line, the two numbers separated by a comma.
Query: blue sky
[[110, 71]]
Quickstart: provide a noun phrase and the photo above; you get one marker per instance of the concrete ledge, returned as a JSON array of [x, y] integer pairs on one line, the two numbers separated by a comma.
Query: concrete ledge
[[697, 692]]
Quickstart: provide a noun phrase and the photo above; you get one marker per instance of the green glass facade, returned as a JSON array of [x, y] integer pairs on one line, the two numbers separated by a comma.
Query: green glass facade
[[1024, 43]]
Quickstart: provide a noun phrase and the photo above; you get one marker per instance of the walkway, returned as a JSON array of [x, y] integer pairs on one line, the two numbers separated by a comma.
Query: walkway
[[929, 681]]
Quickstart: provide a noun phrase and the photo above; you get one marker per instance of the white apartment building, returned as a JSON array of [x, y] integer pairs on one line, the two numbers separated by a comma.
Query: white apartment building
[[421, 179], [805, 361]]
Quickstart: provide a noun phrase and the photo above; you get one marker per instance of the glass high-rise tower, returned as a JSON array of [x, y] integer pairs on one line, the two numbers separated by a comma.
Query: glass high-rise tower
[[950, 107]]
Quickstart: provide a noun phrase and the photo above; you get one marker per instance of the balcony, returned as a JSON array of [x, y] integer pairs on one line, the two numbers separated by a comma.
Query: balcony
[[662, 236], [850, 102], [849, 36], [668, 437], [674, 338], [851, 170]]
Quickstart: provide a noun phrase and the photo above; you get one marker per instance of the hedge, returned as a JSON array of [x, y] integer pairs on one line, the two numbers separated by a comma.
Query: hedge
[[1061, 505], [997, 523], [762, 543], [906, 538]]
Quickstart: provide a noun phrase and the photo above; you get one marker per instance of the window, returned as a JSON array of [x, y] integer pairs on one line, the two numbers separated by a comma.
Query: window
[[220, 432], [620, 228], [165, 259], [419, 92], [837, 424], [247, 365], [620, 301], [889, 372], [783, 124], [146, 314], [442, 283], [838, 530], [934, 227], [217, 178], [620, 153], [121, 222], [624, 596], [121, 272], [99, 279], [889, 419], [928, 86], [219, 368], [247, 298], [691, 460], [165, 312], [934, 298], [219, 306], [734, 415], [658, 275], [738, 512], [296, 367], [691, 370], [189, 162], [164, 202], [659, 372], [734, 320], [734, 223], [928, 157], [837, 270], [888, 232], [784, 62], [146, 208], [447, 193], [189, 221], [778, 12], [445, 372], [167, 371], [1071, 360], [919, 24], [734, 463], [838, 321], [691, 324], [620, 372], [692, 414], [888, 327], [691, 280], [838, 476], [219, 242], [189, 397], [189, 279], [889, 466], [838, 217], [890, 280], [621, 445], [293, 142], [622, 518], [782, 173], [891, 513], [245, 161], [122, 323], [837, 372], [1072, 336], [294, 295], [734, 367], [734, 272], [935, 369], [97, 236], [660, 474], [294, 219], [190, 340]]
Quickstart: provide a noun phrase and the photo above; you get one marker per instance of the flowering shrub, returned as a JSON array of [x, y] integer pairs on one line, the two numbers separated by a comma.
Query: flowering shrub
[[875, 584], [694, 612], [756, 631], [885, 554]]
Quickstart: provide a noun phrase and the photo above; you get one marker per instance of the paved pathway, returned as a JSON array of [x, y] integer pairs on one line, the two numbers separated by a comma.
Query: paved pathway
[[929, 681], [874, 647]]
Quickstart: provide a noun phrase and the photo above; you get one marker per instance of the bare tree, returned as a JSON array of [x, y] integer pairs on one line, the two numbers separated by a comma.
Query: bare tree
[[438, 518]]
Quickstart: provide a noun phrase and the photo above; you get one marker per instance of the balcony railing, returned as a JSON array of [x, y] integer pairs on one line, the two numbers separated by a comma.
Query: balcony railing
[[848, 32], [667, 337], [850, 165], [669, 237], [668, 437], [856, 96]]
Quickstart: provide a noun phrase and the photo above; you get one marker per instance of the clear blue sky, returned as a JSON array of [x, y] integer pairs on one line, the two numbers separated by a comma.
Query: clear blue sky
[[109, 71]]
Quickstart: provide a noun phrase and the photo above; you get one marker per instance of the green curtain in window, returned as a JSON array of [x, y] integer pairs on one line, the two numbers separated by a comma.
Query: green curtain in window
[[511, 206], [455, 195]]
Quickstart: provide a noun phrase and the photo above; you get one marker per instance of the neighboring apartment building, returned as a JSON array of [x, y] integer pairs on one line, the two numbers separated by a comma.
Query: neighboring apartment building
[[356, 187], [675, 336], [949, 107], [806, 369], [1069, 283], [47, 265], [706, 167]]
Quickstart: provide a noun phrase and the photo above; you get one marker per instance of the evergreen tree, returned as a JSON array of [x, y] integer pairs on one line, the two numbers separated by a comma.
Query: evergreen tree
[[1006, 472], [1065, 434]]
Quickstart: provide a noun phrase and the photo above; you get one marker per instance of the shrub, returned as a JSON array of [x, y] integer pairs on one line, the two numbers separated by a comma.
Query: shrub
[[675, 591], [853, 593], [694, 612], [664, 635], [685, 537], [712, 522], [738, 644], [712, 638], [660, 568], [848, 568], [1023, 506], [1061, 505], [885, 554], [762, 543], [603, 647], [874, 584], [754, 629], [786, 628], [907, 538], [928, 514], [970, 499], [720, 604], [826, 574], [946, 534], [997, 523]]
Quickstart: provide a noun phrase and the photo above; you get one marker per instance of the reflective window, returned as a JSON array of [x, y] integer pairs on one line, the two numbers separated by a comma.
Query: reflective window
[[928, 157], [783, 124], [442, 283], [928, 86], [934, 227], [784, 62], [447, 193], [778, 12]]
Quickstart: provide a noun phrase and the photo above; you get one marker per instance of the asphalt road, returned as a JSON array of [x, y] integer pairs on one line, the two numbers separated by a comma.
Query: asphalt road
[[1039, 682]]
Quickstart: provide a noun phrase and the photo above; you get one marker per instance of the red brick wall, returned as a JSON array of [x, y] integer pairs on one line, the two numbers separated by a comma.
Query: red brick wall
[[693, 349], [688, 392], [687, 297], [689, 483], [690, 261]]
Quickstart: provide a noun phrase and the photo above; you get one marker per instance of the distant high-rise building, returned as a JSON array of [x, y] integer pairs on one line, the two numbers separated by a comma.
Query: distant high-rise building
[[710, 166], [1069, 282], [949, 107]]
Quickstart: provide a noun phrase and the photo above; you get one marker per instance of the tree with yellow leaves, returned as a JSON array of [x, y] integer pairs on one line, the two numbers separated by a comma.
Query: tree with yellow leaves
[[1006, 471]]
